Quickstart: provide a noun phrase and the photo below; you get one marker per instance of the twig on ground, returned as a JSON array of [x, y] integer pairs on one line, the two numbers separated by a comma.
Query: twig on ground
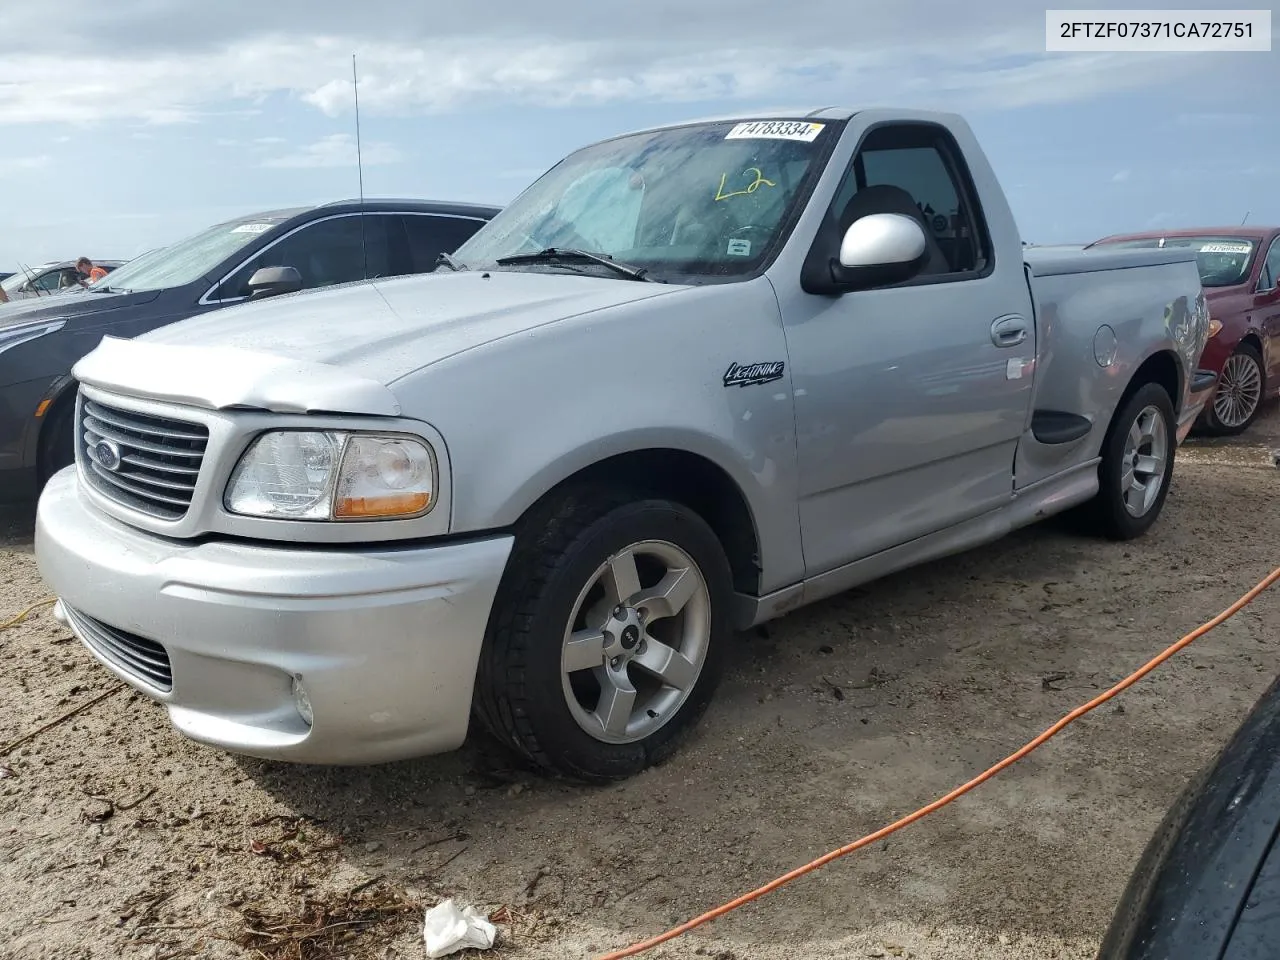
[[364, 886], [48, 601], [439, 840], [13, 745], [639, 886], [134, 803], [449, 860]]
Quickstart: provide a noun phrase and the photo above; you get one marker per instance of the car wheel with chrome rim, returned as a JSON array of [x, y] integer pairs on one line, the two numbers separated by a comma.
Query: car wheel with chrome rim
[[1137, 464], [1239, 394], [607, 635]]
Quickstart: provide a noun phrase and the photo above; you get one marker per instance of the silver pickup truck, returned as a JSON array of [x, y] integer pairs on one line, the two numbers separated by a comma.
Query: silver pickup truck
[[691, 379]]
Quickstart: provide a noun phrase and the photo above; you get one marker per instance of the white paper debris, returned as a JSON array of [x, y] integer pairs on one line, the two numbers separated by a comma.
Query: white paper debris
[[448, 929]]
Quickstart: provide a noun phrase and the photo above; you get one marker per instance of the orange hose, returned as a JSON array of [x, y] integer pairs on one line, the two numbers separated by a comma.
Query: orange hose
[[958, 792]]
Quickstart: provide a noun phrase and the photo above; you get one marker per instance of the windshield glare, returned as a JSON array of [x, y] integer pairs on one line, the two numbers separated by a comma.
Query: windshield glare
[[707, 200], [185, 261], [1223, 261], [11, 284]]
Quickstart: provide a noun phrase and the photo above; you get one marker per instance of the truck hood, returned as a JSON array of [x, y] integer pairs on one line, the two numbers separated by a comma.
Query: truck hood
[[340, 349], [385, 329]]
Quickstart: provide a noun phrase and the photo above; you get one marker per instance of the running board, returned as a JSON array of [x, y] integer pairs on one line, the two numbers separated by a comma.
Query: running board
[[1028, 505]]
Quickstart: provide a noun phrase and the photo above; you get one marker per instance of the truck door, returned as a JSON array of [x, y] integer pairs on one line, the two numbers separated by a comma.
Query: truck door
[[910, 399]]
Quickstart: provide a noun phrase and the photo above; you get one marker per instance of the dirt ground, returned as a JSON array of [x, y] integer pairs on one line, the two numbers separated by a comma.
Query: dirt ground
[[118, 838]]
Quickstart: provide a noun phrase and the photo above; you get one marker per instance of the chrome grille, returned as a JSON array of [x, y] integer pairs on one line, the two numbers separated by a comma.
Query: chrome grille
[[143, 461], [139, 657]]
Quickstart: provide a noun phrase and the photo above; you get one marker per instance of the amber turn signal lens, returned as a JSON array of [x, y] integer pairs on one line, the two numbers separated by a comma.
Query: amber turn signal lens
[[394, 505], [1214, 326]]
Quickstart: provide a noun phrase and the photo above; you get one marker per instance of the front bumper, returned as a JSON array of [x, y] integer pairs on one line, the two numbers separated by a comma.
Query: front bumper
[[384, 639], [1203, 383]]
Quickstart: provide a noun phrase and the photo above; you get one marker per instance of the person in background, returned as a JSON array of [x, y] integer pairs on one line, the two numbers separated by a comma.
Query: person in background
[[88, 272]]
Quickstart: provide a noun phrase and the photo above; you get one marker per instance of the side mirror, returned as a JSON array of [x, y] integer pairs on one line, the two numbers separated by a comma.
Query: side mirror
[[270, 281], [880, 249]]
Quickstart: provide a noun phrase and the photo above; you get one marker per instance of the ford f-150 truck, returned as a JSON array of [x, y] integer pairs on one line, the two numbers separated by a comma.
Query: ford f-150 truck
[[691, 379]]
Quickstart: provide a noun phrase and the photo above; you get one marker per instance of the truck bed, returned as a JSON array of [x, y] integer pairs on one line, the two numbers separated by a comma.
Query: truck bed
[[1060, 260]]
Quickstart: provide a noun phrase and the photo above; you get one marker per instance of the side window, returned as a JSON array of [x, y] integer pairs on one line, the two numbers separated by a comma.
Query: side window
[[1269, 278], [430, 236], [48, 282], [917, 170], [328, 252]]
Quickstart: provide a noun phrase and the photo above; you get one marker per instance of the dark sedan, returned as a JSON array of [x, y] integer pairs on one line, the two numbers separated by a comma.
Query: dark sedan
[[249, 257], [1208, 885]]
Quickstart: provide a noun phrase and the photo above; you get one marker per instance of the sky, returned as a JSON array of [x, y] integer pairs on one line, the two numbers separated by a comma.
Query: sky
[[138, 122]]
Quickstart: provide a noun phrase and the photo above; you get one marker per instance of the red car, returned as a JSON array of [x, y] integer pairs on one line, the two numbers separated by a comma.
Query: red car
[[1240, 272]]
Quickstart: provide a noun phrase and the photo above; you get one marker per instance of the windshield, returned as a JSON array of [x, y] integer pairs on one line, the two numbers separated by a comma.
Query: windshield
[[185, 261], [705, 200], [1223, 261], [11, 284]]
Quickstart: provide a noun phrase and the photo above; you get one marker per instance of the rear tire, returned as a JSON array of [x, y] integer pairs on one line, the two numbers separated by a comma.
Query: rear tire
[[585, 671], [1238, 398], [57, 442], [1137, 465]]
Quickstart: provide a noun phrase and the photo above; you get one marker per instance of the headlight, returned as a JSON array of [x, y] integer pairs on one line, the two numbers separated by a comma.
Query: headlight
[[21, 333], [333, 475]]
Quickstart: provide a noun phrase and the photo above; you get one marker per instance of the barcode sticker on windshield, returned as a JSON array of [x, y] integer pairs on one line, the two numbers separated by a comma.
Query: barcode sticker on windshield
[[1226, 248], [251, 228], [776, 130]]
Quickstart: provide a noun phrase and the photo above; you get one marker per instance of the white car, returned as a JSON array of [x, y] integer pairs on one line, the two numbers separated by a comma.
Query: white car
[[46, 279]]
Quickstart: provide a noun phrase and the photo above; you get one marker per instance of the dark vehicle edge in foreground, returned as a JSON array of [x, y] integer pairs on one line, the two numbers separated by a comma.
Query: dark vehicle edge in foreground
[[1208, 884]]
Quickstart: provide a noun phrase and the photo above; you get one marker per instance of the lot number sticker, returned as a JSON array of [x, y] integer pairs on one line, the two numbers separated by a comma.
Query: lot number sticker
[[776, 130], [1225, 248], [252, 228], [739, 248]]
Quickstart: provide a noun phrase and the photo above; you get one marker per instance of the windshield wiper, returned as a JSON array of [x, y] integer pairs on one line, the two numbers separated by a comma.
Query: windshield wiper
[[558, 254], [450, 262]]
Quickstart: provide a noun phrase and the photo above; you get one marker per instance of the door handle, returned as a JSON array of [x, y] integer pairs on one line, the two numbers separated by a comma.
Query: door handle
[[1009, 331]]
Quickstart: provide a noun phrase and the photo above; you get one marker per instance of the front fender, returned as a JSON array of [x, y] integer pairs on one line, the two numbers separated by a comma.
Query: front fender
[[524, 413]]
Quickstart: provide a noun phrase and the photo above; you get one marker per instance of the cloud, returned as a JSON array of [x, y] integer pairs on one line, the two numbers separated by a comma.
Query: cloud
[[140, 65], [337, 150], [13, 165], [1120, 176]]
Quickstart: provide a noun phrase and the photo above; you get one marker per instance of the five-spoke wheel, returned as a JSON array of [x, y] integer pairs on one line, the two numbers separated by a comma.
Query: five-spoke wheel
[[1137, 464], [607, 634]]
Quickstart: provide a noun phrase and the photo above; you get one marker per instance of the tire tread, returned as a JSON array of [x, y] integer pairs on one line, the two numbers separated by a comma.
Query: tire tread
[[543, 545]]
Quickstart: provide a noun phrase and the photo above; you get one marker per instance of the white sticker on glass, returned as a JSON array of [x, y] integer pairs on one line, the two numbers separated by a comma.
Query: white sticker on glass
[[252, 228], [776, 130], [739, 248], [1226, 248]]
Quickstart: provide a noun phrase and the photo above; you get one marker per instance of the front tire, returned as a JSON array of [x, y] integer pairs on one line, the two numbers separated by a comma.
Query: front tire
[[1137, 464], [607, 636], [1238, 398], [57, 442]]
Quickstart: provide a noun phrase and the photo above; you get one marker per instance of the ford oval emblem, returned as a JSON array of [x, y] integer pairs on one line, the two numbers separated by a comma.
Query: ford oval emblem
[[107, 454]]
